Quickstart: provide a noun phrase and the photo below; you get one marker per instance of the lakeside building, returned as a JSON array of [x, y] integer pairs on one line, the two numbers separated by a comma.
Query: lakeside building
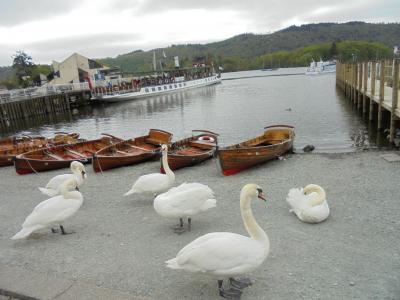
[[78, 68]]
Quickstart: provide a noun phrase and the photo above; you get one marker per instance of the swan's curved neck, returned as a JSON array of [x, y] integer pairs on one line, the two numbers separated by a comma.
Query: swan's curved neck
[[168, 171], [252, 227], [320, 198]]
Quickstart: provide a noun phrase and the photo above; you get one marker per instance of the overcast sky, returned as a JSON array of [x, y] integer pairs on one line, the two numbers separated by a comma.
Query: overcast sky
[[53, 29]]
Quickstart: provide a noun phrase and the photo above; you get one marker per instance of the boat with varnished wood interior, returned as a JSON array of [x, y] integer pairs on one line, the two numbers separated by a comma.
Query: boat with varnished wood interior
[[132, 151], [276, 141], [56, 157], [12, 146], [192, 150]]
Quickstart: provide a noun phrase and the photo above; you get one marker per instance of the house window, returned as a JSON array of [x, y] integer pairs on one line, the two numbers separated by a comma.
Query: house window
[[146, 90], [175, 86], [165, 87], [153, 89], [170, 86], [159, 88]]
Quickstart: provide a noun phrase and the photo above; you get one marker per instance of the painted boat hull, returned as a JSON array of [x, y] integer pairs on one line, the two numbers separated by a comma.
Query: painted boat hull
[[192, 150], [130, 152], [9, 150], [236, 158], [57, 157]]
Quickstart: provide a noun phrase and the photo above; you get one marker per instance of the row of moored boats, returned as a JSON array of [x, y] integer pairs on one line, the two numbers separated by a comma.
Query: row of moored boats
[[37, 154]]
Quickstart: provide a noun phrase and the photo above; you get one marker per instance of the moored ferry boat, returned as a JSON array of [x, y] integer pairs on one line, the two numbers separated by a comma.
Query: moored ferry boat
[[157, 83]]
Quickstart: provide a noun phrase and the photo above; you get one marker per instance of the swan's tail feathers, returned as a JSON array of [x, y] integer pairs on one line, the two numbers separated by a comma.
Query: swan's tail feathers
[[130, 192], [210, 203], [23, 233], [296, 199], [48, 192], [173, 264]]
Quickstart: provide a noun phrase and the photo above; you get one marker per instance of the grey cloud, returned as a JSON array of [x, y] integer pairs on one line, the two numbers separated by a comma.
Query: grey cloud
[[14, 12]]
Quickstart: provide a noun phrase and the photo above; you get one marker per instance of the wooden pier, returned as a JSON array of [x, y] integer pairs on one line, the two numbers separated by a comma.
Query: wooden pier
[[21, 105], [373, 87]]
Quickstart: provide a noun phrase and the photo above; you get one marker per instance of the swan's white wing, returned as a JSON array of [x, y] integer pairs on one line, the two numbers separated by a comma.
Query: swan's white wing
[[52, 210], [298, 200], [56, 181], [151, 182], [221, 253], [315, 214], [190, 197]]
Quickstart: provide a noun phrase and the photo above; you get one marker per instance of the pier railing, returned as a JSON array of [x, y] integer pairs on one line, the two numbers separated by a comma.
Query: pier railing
[[8, 96], [373, 87]]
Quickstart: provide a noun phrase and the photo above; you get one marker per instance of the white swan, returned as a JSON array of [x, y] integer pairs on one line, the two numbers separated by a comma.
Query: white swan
[[184, 201], [53, 211], [52, 187], [154, 183], [309, 204], [225, 254]]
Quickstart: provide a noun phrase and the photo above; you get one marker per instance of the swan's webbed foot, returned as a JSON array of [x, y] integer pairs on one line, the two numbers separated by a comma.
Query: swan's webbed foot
[[54, 230], [65, 232], [240, 283], [232, 293], [179, 227]]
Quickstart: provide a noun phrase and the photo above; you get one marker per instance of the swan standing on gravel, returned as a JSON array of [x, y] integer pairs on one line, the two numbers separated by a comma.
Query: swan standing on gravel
[[225, 254], [184, 201], [53, 211], [78, 172], [154, 183], [309, 204]]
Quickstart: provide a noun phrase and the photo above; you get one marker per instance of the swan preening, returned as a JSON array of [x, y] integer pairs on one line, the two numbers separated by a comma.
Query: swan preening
[[309, 204], [225, 254], [154, 183], [78, 172], [53, 211], [184, 201]]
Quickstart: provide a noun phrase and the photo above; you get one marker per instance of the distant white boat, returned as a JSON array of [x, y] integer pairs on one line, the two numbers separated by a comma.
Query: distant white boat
[[321, 67]]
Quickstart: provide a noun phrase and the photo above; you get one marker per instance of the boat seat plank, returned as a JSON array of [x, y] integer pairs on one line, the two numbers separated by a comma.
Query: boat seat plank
[[122, 152], [54, 156], [76, 153]]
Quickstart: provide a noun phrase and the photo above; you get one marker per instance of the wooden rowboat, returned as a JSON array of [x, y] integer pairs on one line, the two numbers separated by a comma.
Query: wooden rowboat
[[192, 150], [13, 146], [56, 157], [276, 140], [132, 151]]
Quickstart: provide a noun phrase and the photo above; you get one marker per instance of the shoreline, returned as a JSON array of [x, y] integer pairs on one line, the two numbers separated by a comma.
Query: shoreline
[[121, 244]]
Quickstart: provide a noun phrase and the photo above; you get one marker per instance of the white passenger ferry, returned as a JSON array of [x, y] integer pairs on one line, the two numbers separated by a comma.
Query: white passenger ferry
[[158, 83]]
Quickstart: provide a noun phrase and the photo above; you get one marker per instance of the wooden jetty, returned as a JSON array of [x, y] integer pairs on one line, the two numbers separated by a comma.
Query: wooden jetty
[[29, 103], [373, 87]]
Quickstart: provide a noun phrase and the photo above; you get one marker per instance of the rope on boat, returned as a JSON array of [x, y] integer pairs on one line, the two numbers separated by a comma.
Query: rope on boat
[[31, 166]]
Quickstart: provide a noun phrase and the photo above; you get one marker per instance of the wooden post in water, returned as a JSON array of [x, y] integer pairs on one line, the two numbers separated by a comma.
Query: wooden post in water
[[371, 102], [354, 83], [360, 79], [365, 82], [381, 91], [395, 94]]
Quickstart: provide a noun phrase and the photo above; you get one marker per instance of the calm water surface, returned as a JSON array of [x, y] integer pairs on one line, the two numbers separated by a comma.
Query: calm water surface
[[237, 109]]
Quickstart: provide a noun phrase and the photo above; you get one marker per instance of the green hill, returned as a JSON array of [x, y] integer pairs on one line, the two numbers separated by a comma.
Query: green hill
[[248, 47]]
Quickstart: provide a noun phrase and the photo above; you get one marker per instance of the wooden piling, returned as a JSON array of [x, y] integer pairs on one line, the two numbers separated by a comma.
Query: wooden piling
[[395, 94], [359, 86], [364, 93], [381, 92], [371, 102]]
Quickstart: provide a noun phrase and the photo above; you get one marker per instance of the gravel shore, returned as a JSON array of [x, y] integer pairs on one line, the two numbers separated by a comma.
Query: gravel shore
[[121, 244]]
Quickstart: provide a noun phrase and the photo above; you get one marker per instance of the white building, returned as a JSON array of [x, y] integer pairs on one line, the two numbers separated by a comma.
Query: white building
[[77, 68]]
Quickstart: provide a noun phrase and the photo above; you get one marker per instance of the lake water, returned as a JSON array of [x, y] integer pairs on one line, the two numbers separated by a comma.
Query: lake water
[[237, 109]]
